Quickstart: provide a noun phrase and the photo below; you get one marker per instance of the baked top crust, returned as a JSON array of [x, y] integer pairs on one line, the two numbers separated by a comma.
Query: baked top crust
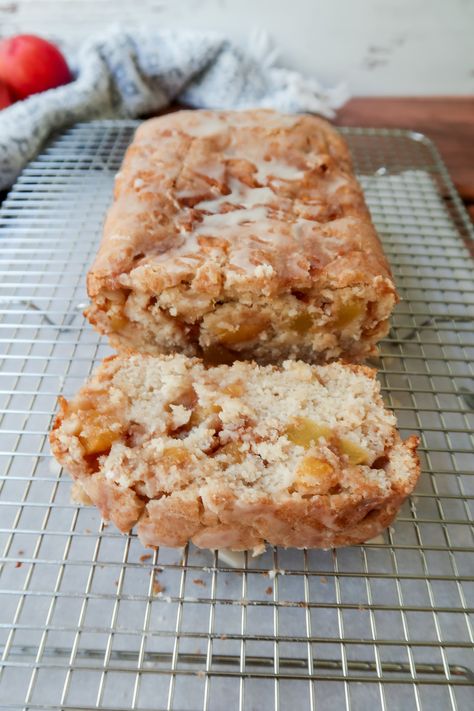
[[234, 456], [232, 203]]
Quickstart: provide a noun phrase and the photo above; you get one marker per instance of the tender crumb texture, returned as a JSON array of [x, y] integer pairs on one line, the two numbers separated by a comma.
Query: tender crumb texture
[[240, 235], [236, 456]]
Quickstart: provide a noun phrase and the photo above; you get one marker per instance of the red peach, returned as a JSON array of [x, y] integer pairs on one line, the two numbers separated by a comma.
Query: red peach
[[30, 64]]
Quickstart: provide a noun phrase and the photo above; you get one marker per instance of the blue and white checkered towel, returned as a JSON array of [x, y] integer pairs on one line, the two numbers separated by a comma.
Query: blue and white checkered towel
[[121, 74]]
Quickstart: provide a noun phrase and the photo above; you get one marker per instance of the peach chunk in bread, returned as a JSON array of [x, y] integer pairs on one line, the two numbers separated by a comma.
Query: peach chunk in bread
[[240, 235], [236, 456]]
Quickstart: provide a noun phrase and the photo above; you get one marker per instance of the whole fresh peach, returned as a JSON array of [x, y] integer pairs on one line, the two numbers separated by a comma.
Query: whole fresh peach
[[30, 64], [6, 97]]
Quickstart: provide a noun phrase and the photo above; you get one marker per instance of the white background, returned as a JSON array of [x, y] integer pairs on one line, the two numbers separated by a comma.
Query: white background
[[385, 47]]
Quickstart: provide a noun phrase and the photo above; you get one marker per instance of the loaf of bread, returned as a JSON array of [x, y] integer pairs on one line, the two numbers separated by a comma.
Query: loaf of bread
[[240, 235], [236, 456]]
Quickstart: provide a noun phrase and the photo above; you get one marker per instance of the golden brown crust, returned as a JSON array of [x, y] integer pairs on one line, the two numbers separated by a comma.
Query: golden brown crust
[[296, 523], [217, 207], [149, 442], [175, 163]]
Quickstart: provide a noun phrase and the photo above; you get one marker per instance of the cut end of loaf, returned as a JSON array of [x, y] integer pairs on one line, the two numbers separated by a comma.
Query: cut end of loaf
[[233, 457], [317, 327]]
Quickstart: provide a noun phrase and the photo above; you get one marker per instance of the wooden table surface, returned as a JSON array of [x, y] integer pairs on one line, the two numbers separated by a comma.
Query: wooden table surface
[[448, 121]]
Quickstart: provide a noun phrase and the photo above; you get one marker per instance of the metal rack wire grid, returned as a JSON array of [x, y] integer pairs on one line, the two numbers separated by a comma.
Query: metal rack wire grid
[[89, 621]]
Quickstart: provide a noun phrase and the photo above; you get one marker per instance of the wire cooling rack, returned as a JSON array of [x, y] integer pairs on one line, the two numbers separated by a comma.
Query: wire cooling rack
[[89, 621]]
